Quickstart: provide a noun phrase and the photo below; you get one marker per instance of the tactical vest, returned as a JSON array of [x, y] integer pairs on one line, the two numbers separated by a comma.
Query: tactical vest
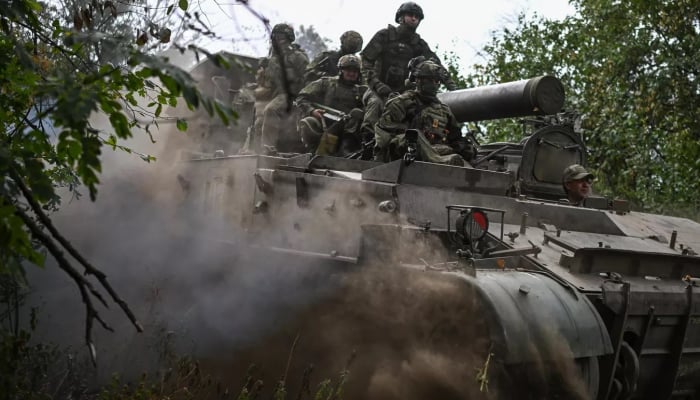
[[339, 96], [398, 52], [432, 119]]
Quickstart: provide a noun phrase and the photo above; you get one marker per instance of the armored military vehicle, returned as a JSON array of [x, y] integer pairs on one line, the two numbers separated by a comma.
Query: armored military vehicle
[[231, 83], [618, 287]]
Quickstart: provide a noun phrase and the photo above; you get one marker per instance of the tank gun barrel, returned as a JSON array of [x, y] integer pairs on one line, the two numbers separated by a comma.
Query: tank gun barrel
[[543, 95]]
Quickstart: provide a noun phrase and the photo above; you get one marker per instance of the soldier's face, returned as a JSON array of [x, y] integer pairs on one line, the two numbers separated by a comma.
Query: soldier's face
[[579, 189], [280, 38], [428, 86], [350, 74], [411, 20]]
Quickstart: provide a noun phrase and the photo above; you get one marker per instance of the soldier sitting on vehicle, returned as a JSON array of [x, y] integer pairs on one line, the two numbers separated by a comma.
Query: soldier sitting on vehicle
[[385, 61], [410, 82], [326, 63], [284, 75], [439, 137], [577, 183], [333, 110]]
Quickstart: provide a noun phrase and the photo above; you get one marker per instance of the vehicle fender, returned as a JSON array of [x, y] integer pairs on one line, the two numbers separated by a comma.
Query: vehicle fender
[[533, 317]]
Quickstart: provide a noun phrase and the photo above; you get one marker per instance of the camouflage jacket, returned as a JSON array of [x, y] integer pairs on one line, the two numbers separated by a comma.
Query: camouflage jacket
[[386, 56], [295, 62], [330, 92], [434, 119], [324, 64]]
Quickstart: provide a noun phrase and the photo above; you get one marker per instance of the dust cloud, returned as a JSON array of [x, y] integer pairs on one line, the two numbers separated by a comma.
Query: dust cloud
[[401, 333]]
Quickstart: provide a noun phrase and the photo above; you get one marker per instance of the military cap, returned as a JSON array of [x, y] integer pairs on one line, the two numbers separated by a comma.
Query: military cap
[[575, 172]]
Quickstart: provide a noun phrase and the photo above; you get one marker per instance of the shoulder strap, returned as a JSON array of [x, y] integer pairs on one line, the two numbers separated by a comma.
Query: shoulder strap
[[391, 33]]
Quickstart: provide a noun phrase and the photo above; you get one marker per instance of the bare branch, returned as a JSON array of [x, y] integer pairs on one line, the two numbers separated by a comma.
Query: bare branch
[[83, 284], [89, 268]]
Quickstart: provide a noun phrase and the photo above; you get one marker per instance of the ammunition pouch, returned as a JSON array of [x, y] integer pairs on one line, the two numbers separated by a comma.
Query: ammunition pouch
[[330, 138], [328, 144], [394, 77]]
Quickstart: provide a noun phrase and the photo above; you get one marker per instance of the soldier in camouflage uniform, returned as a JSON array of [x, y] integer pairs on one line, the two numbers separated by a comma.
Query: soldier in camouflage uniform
[[342, 92], [325, 64], [440, 137], [284, 53], [385, 60]]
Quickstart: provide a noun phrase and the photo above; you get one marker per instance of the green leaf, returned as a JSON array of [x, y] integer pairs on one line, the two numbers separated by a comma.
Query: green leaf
[[38, 181], [111, 141], [183, 5], [191, 96], [171, 84], [181, 124], [120, 125], [220, 112]]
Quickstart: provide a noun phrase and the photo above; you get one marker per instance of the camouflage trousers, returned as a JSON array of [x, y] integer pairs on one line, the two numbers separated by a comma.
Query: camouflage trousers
[[390, 147], [278, 130], [374, 106], [344, 134]]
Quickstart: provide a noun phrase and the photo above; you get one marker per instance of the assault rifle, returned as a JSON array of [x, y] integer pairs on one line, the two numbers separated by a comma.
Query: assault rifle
[[365, 153], [337, 115]]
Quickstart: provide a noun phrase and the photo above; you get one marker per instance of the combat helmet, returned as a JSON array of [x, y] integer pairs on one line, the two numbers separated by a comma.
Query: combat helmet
[[349, 61], [350, 42], [429, 69], [408, 8], [284, 29]]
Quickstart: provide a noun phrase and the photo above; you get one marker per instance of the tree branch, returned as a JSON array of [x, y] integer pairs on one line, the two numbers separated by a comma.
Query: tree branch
[[89, 268], [83, 284]]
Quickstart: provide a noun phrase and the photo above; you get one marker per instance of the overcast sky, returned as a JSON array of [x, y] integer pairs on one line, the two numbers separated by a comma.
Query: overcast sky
[[463, 27]]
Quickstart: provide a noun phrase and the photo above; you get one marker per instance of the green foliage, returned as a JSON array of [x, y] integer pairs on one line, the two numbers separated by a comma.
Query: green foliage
[[51, 85], [60, 67], [182, 380], [633, 72], [31, 370]]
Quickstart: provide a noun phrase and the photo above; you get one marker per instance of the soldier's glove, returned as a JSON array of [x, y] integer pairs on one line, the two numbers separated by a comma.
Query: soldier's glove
[[357, 114], [382, 90]]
